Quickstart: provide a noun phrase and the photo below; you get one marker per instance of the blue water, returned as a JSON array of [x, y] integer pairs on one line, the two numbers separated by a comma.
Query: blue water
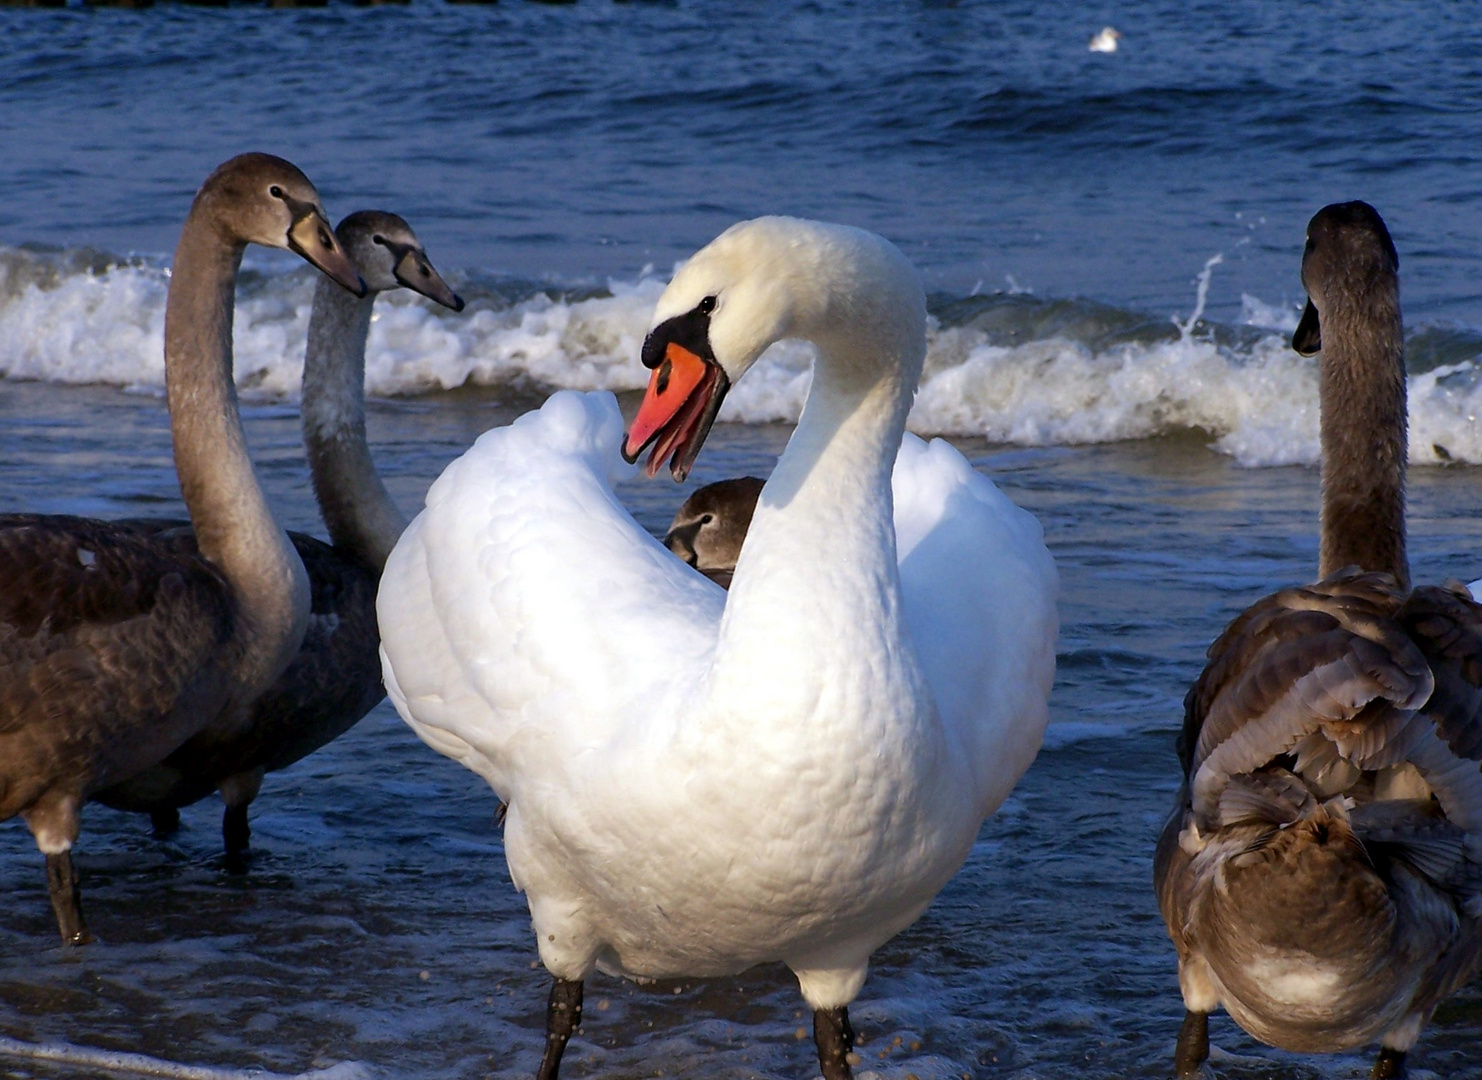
[[1059, 204], [588, 140]]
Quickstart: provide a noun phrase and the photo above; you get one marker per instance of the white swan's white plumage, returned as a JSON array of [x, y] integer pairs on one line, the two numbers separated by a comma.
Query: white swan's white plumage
[[699, 782]]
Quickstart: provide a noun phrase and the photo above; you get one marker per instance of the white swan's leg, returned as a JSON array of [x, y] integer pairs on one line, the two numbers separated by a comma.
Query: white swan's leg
[[829, 987], [562, 1017], [835, 1041]]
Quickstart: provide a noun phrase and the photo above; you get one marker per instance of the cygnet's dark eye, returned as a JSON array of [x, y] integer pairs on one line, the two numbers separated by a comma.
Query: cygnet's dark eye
[[706, 519], [378, 239], [275, 191], [706, 306]]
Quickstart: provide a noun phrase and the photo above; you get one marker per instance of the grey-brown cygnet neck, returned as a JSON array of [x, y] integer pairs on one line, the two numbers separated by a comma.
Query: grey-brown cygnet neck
[[362, 519], [1364, 429], [234, 527]]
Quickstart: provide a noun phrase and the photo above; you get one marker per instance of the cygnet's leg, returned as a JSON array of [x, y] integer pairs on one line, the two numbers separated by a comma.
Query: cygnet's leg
[[1390, 1065], [835, 1039], [54, 822], [238, 792], [1193, 1044], [236, 833], [66, 898], [562, 1017], [165, 822]]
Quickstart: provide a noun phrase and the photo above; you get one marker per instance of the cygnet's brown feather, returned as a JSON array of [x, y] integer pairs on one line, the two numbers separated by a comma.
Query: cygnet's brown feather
[[710, 528], [1321, 876]]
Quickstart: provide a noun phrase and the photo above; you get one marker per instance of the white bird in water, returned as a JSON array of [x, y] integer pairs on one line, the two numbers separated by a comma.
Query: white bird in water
[[1106, 40], [698, 782]]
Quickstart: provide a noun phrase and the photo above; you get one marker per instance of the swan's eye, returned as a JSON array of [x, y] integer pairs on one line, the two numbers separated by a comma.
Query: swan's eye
[[275, 191], [706, 519], [706, 306], [378, 239]]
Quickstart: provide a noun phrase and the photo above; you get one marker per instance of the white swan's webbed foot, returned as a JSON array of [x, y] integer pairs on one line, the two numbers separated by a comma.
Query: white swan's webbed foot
[[1390, 1065], [835, 1039], [164, 822], [66, 898], [562, 1017], [1193, 1045]]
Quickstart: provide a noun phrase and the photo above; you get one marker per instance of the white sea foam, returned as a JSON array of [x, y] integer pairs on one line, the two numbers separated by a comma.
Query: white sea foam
[[1256, 312], [1256, 400], [118, 1062]]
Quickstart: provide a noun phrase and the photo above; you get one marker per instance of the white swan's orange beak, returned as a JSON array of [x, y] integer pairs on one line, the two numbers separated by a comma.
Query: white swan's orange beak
[[683, 396]]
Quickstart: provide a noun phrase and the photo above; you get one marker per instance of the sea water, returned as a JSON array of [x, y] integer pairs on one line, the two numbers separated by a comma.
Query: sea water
[[1111, 247]]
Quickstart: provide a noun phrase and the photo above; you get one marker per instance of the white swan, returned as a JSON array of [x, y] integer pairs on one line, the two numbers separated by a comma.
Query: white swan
[[699, 783]]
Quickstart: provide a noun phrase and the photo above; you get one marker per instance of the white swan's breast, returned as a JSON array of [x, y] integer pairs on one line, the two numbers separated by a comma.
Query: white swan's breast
[[534, 632]]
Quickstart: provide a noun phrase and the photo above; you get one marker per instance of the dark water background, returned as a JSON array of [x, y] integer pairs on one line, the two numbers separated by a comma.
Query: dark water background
[[588, 140], [568, 145]]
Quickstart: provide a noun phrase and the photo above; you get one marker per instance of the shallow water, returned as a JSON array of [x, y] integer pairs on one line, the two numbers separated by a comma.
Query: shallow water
[[377, 923]]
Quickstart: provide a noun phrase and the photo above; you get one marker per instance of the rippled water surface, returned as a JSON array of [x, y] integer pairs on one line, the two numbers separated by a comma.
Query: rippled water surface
[[377, 923], [557, 161], [588, 140]]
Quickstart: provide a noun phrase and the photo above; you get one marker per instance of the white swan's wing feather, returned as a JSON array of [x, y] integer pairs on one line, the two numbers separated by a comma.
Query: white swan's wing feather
[[426, 684], [523, 544], [980, 590]]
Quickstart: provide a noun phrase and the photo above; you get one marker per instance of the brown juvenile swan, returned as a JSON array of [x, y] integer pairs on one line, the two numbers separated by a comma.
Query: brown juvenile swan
[[115, 646], [336, 677], [708, 530], [1321, 877]]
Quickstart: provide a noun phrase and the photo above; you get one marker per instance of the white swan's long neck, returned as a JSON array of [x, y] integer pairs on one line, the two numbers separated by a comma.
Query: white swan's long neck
[[358, 511], [816, 598], [234, 527]]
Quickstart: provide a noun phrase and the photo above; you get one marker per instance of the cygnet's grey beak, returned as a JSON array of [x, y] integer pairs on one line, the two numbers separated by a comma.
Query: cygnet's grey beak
[[415, 272], [1307, 338], [681, 541], [311, 237]]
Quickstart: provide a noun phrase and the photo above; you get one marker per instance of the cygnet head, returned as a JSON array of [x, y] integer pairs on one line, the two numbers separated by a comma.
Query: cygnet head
[[262, 199], [757, 283], [389, 256], [1349, 262], [711, 526]]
